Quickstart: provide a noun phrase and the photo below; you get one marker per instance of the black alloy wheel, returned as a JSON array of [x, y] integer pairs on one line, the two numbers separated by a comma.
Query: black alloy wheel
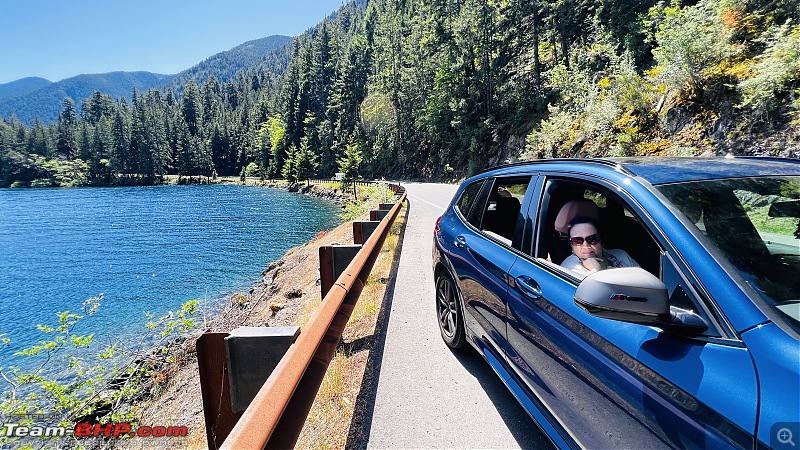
[[448, 311]]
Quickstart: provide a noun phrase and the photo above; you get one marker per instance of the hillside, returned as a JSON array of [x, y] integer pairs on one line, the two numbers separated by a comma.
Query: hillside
[[22, 86], [226, 65], [443, 90], [32, 97], [46, 103]]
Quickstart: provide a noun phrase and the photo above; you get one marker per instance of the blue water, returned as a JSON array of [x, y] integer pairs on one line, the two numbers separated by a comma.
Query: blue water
[[146, 249]]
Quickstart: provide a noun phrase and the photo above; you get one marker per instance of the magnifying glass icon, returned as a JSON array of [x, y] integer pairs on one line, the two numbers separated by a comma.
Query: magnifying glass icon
[[784, 436]]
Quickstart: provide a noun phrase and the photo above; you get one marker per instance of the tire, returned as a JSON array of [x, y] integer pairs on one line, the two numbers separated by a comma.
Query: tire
[[448, 311]]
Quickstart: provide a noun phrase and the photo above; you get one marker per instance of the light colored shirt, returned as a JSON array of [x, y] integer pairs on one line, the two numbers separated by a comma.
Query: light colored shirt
[[614, 258]]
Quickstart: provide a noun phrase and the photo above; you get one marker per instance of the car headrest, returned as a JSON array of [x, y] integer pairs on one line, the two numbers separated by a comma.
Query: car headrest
[[575, 208]]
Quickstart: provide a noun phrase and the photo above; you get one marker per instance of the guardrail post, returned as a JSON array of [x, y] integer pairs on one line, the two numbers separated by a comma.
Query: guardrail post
[[333, 259], [233, 367], [253, 353], [215, 388], [378, 214], [363, 230]]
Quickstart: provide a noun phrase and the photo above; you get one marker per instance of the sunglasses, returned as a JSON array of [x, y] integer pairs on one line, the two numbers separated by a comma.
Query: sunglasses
[[591, 240]]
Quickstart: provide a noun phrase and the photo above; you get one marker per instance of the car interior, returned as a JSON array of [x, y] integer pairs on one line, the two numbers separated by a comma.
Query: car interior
[[503, 208], [620, 227]]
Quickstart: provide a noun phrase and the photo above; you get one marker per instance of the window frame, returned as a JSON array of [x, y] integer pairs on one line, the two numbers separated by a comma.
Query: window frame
[[719, 326], [479, 206]]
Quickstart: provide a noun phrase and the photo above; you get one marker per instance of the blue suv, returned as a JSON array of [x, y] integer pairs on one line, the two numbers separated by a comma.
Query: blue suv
[[633, 303]]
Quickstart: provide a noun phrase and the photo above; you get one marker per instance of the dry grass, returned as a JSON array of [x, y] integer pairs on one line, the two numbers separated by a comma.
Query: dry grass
[[330, 418]]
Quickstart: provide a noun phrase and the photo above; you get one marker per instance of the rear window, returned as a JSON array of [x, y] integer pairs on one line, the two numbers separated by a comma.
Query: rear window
[[468, 197]]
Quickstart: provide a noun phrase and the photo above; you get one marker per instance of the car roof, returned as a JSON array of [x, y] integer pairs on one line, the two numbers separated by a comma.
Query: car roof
[[663, 170]]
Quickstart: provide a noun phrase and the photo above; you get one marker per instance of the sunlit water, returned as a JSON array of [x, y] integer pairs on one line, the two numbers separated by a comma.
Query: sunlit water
[[146, 249]]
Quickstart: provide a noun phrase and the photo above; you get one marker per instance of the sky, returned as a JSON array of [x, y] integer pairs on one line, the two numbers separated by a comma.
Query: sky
[[58, 39]]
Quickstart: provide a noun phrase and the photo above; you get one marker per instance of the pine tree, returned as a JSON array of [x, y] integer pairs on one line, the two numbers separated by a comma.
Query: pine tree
[[306, 161], [67, 144]]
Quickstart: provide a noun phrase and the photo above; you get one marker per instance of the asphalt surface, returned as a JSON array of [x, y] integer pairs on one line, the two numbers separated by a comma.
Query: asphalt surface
[[428, 396]]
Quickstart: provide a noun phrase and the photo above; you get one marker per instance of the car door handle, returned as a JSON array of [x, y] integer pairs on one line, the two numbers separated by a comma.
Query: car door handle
[[529, 287], [460, 242]]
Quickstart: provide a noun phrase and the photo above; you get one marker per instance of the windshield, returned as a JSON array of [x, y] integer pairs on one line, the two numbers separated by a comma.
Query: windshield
[[755, 222]]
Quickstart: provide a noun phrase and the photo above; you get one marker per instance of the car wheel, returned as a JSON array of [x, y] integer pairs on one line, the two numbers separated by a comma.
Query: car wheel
[[448, 311]]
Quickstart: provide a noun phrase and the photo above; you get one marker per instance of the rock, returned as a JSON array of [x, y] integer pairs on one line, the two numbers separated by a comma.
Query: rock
[[294, 293], [238, 299]]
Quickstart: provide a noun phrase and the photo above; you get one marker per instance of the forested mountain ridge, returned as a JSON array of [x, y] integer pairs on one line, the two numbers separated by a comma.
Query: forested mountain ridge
[[32, 98], [444, 88], [46, 102], [22, 86], [226, 65]]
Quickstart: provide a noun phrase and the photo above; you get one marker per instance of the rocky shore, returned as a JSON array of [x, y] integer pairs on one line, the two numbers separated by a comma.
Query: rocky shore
[[287, 294]]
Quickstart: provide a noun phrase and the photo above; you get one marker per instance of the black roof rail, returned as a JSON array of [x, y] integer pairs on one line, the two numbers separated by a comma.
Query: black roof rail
[[771, 158], [600, 161]]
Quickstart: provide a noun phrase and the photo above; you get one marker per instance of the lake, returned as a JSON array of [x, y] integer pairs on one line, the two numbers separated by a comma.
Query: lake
[[146, 249]]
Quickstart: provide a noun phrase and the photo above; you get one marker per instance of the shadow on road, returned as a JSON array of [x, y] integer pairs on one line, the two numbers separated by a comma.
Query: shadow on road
[[522, 427]]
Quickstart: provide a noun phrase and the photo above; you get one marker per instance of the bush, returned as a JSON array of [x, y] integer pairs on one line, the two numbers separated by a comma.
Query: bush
[[775, 75]]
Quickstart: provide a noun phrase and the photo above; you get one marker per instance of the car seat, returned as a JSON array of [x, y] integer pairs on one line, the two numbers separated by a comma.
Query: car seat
[[504, 217]]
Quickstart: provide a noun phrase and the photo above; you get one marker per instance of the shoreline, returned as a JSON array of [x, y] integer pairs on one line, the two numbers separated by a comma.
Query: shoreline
[[277, 297], [286, 294]]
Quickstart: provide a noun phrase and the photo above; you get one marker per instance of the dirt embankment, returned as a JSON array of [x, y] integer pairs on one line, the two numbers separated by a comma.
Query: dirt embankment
[[288, 290]]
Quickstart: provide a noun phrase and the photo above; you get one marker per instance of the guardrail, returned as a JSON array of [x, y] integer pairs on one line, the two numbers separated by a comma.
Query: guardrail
[[333, 180], [275, 417]]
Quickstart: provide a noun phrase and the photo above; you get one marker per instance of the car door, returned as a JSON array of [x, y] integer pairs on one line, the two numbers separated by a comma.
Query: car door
[[609, 384], [483, 253]]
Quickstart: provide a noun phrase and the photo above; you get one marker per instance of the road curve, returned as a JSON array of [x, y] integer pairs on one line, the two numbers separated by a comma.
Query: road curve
[[428, 396]]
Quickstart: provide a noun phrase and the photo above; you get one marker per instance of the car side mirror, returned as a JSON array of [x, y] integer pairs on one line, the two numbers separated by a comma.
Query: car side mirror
[[634, 295]]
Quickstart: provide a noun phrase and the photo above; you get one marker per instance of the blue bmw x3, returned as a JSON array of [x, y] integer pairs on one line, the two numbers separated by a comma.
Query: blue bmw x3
[[634, 303]]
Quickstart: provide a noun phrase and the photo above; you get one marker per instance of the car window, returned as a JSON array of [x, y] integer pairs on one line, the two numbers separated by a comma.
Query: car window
[[619, 226], [755, 224], [683, 294], [468, 196], [501, 214]]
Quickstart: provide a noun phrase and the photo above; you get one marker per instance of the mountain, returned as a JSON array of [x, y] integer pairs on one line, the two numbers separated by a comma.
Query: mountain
[[22, 86], [226, 65], [24, 101], [46, 103]]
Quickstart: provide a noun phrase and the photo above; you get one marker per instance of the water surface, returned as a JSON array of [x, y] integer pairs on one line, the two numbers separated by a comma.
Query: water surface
[[146, 249]]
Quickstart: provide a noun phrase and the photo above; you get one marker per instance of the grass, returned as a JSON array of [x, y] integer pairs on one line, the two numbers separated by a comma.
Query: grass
[[763, 222], [328, 422]]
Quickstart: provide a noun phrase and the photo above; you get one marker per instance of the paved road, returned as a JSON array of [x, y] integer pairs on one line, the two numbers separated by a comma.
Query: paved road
[[427, 395]]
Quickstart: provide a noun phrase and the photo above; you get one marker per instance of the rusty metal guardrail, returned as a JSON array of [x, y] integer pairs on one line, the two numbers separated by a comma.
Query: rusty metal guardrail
[[277, 414]]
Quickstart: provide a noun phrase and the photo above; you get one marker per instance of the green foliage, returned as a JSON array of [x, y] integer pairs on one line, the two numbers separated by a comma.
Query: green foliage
[[350, 163], [688, 40], [77, 379], [370, 197], [776, 75], [252, 170], [306, 161]]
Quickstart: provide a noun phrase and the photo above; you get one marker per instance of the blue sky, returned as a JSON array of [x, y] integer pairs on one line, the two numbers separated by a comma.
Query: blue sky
[[57, 39]]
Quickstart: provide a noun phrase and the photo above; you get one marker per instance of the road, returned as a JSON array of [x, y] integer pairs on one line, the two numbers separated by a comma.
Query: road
[[428, 396]]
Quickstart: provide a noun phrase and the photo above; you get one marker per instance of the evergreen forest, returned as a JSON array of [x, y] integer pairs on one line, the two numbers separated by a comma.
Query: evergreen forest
[[441, 89]]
